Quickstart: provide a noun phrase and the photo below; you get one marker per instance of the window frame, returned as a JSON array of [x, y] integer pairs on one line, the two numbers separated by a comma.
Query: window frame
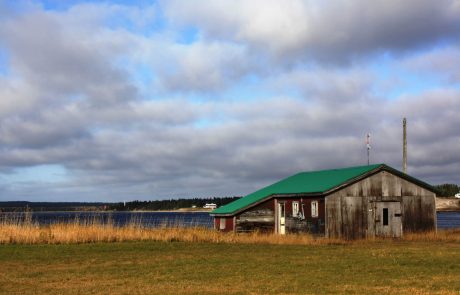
[[314, 208], [385, 216], [295, 208], [222, 223]]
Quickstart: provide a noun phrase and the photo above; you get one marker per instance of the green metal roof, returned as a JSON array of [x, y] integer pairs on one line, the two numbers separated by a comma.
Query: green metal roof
[[314, 182]]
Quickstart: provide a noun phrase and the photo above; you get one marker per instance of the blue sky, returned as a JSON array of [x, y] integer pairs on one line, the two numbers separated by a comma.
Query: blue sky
[[125, 100]]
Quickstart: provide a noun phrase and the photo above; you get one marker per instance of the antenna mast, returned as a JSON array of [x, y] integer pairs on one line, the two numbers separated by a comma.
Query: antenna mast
[[368, 146], [404, 146]]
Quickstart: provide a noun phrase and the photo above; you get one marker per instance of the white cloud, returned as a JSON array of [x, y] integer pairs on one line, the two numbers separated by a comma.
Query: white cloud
[[200, 66], [443, 62], [328, 31], [72, 97]]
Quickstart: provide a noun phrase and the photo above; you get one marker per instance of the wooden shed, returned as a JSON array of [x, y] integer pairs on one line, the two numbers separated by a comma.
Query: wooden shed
[[354, 202]]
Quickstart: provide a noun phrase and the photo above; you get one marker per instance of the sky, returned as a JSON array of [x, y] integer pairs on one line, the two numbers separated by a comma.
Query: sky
[[144, 100]]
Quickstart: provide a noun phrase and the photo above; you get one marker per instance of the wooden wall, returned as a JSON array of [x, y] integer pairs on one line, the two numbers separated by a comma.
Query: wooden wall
[[263, 217], [228, 221], [309, 224], [347, 210], [260, 217]]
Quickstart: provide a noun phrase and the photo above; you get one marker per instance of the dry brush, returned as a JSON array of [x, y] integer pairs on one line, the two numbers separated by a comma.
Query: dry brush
[[25, 231]]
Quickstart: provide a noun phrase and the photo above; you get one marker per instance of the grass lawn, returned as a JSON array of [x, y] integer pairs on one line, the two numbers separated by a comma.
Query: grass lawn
[[210, 268]]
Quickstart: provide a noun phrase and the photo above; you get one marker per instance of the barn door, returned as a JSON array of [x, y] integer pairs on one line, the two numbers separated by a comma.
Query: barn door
[[387, 219], [281, 219]]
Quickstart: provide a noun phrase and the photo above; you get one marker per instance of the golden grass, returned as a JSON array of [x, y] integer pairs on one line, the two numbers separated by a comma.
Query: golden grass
[[451, 235], [72, 233], [24, 231]]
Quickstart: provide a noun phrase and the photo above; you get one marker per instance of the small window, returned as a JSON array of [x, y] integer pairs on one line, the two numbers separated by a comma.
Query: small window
[[222, 223], [295, 208], [385, 216], [314, 209]]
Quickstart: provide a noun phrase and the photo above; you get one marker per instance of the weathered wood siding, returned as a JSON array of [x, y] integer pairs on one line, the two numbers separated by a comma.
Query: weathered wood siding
[[263, 217], [347, 210], [260, 217]]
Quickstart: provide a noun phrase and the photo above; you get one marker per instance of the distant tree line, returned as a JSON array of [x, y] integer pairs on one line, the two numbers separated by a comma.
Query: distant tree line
[[447, 189], [172, 204], [21, 206]]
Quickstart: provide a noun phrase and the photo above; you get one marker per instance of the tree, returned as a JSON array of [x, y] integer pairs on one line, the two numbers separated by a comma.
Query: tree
[[447, 189]]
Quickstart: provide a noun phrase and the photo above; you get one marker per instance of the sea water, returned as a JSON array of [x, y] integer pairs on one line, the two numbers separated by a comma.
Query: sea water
[[445, 220]]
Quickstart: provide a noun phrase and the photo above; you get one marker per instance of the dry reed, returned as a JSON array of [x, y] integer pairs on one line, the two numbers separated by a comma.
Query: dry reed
[[24, 231]]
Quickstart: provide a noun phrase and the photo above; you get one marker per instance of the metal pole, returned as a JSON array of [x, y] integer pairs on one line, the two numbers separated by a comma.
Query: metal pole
[[404, 146], [368, 156], [368, 145]]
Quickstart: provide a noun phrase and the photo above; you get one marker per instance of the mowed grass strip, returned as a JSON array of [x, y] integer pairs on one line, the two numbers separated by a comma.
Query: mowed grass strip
[[398, 267]]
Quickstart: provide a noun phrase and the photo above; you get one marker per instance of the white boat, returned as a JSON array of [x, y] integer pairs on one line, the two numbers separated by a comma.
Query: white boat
[[210, 206]]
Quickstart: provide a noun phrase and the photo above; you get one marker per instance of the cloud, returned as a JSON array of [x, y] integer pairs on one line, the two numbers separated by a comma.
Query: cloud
[[329, 86], [251, 149], [326, 31], [257, 96], [432, 133], [200, 66], [57, 61], [443, 62]]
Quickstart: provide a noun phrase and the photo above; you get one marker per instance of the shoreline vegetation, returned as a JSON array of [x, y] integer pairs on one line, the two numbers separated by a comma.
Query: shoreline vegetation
[[443, 204], [24, 231], [171, 205], [183, 210]]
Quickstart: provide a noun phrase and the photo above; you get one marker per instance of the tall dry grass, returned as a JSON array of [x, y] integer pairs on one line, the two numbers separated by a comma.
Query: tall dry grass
[[25, 231]]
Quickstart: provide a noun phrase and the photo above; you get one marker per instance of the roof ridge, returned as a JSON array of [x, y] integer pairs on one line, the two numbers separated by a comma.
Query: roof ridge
[[344, 168], [308, 182]]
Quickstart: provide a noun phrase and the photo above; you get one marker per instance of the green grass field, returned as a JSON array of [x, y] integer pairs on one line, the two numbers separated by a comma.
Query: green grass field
[[210, 268]]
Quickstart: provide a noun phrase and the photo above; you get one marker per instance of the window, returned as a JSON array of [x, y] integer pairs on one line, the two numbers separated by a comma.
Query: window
[[295, 208], [385, 216], [314, 208], [222, 223]]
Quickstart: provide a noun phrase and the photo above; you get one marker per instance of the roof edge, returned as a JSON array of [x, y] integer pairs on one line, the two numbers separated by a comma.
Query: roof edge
[[349, 182], [411, 178], [379, 167], [267, 198], [353, 180]]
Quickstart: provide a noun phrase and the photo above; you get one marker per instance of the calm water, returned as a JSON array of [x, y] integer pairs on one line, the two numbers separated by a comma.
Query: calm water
[[448, 220], [158, 219]]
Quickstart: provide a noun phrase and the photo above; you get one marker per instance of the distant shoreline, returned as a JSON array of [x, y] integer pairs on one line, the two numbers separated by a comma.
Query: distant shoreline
[[447, 204], [112, 211], [169, 211]]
